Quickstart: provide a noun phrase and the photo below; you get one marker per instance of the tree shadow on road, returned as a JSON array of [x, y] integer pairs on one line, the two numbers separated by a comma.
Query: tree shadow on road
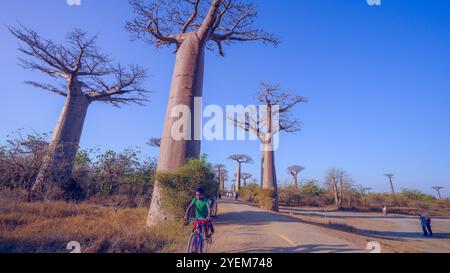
[[392, 235], [304, 249], [253, 218]]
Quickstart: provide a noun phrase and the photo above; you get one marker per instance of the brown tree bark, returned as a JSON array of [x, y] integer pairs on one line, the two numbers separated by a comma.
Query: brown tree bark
[[65, 140], [187, 83], [238, 176], [269, 173], [295, 181]]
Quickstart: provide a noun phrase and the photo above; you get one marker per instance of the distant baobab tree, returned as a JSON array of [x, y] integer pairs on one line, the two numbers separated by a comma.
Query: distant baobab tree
[[154, 142], [220, 169], [190, 26], [240, 159], [391, 184], [294, 171], [84, 75], [367, 190], [270, 96], [438, 191], [245, 177]]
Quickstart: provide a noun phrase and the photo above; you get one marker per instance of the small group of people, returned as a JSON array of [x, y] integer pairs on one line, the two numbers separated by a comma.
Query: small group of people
[[425, 222], [232, 195]]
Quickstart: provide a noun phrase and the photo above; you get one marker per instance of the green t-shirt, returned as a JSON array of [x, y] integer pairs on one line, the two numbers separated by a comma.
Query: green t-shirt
[[201, 207]]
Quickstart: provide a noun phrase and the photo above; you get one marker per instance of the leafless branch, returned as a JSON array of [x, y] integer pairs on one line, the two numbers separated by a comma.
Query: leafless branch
[[241, 158], [219, 22]]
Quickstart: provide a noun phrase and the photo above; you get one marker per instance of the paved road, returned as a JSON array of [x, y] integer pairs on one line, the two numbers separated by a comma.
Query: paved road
[[245, 229], [401, 231]]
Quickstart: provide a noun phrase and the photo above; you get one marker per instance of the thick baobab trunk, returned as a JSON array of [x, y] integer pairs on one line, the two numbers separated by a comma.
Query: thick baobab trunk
[[58, 163], [222, 183], [295, 181], [262, 170], [238, 177], [187, 83], [391, 185], [269, 176], [269, 172]]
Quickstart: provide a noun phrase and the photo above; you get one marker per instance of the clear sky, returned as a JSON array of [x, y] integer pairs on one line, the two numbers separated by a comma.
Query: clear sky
[[377, 80]]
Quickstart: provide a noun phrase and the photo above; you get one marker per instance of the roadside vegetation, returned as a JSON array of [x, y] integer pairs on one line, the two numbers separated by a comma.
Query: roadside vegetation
[[311, 193], [103, 206]]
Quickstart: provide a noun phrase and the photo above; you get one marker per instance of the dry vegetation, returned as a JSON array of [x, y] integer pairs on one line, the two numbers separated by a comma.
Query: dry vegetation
[[48, 227]]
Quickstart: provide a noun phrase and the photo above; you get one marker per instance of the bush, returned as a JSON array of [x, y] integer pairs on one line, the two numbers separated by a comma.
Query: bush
[[265, 198], [290, 195], [178, 188], [248, 192], [416, 195]]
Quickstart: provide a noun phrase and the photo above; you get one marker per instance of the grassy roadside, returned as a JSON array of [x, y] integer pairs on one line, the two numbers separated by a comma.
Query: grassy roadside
[[47, 227]]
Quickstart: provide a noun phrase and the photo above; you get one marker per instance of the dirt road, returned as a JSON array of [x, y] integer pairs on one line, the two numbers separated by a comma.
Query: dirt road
[[246, 229]]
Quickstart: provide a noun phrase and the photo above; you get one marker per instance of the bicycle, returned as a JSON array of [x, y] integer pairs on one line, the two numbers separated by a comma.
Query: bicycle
[[198, 242]]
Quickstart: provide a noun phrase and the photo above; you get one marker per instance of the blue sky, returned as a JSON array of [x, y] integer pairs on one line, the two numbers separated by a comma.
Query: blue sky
[[377, 80]]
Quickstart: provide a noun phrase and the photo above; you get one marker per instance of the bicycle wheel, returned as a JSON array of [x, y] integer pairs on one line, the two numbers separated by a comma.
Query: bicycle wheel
[[192, 244], [205, 245]]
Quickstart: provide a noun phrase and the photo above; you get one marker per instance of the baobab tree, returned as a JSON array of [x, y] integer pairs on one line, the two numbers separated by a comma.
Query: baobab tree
[[438, 191], [245, 177], [338, 181], [84, 75], [294, 171], [275, 118], [240, 159], [190, 26], [220, 171], [391, 184]]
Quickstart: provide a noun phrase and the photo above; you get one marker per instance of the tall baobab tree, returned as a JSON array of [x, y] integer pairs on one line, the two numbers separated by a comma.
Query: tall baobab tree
[[294, 171], [438, 191], [245, 177], [276, 118], [190, 26], [391, 184], [84, 75], [240, 159], [220, 169]]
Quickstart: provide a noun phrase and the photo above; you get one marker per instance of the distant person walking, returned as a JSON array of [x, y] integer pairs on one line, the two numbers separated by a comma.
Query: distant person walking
[[385, 211], [425, 222]]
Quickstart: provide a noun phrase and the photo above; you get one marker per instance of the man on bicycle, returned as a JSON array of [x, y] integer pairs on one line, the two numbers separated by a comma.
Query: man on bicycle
[[202, 209]]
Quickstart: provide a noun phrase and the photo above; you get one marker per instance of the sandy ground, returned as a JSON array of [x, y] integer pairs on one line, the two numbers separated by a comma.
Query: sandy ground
[[401, 233], [245, 229]]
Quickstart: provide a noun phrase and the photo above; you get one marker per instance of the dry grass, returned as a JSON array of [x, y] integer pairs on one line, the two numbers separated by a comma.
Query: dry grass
[[49, 226]]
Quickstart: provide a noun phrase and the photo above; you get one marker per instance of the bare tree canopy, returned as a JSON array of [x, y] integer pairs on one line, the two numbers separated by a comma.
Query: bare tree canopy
[[246, 176], [241, 158], [295, 170], [80, 59], [216, 22], [338, 181], [271, 95]]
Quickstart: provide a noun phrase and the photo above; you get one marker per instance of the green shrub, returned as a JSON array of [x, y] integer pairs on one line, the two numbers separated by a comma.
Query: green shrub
[[248, 192], [290, 195], [178, 188], [416, 195], [265, 198]]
